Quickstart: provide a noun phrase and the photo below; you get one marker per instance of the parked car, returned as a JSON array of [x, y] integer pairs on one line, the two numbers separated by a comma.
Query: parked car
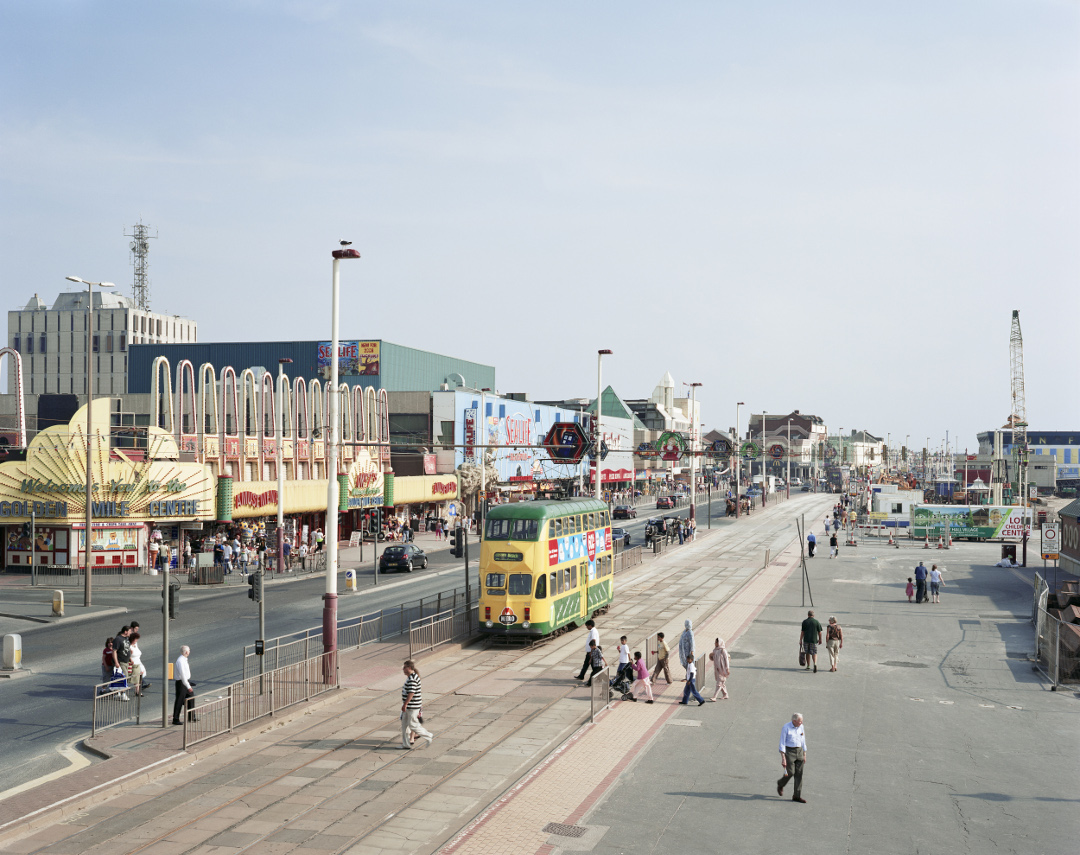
[[622, 534], [664, 502], [403, 557], [623, 512], [806, 488]]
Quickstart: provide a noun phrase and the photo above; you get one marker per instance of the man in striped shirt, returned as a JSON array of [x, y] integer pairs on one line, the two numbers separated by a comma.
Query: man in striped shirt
[[411, 701]]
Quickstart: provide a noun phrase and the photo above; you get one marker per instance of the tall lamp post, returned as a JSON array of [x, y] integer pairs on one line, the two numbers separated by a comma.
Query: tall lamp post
[[599, 438], [329, 625], [279, 429], [787, 480], [693, 449], [89, 426], [483, 465], [738, 457]]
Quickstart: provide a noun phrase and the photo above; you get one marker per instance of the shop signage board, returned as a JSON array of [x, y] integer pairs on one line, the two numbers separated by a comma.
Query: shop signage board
[[470, 434], [355, 359], [988, 522], [1051, 537], [365, 481]]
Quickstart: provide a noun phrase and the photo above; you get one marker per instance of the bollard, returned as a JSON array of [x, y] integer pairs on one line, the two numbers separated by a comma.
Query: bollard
[[13, 652], [58, 603], [350, 580]]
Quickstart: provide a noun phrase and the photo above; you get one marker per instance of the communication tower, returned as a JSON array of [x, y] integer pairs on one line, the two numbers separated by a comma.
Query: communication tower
[[140, 260]]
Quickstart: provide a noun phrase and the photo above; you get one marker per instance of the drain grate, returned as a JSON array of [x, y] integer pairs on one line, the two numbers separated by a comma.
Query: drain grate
[[906, 664], [564, 830]]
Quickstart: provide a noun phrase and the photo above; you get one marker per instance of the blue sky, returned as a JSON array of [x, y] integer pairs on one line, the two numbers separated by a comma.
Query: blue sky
[[831, 206]]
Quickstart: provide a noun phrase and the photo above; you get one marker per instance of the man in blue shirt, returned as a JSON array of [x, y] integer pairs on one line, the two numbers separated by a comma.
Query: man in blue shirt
[[811, 544], [920, 583]]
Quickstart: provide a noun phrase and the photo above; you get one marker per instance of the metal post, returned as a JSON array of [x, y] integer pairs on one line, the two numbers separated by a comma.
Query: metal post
[[599, 434], [165, 648], [738, 462], [693, 451], [89, 428], [262, 616], [375, 544], [279, 465], [33, 545], [788, 479]]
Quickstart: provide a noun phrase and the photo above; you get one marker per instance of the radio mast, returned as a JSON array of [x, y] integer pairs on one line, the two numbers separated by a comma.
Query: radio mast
[[140, 260]]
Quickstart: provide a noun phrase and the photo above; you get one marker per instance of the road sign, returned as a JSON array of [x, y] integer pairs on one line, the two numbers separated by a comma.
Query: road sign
[[566, 442], [451, 511], [1051, 536]]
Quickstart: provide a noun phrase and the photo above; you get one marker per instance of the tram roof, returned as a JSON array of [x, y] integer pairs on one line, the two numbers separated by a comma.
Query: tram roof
[[545, 509]]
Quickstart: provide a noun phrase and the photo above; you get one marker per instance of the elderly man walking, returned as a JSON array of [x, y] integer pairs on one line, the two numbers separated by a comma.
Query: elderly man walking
[[185, 687], [792, 756]]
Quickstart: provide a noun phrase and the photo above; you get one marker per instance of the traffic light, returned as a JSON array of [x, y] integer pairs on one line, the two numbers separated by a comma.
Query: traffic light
[[457, 542], [255, 592], [26, 529], [173, 593]]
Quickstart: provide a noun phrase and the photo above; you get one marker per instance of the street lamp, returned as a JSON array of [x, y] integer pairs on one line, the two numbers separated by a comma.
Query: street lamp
[[788, 479], [483, 465], [599, 438], [693, 450], [330, 597], [279, 428], [738, 467], [89, 425]]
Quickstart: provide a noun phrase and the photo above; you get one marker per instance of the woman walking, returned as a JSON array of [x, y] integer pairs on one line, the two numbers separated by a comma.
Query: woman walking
[[834, 640], [721, 664], [935, 584]]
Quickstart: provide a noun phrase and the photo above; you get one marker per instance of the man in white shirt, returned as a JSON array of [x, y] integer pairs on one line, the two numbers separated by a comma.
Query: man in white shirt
[[593, 635], [185, 689], [792, 756], [226, 555]]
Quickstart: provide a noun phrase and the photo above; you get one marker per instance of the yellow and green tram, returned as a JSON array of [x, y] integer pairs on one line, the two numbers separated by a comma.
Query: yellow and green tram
[[544, 567]]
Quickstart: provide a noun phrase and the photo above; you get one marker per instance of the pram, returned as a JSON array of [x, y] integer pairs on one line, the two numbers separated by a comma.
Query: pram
[[622, 682]]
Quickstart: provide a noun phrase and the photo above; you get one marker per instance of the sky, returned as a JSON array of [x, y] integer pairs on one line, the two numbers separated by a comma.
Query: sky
[[831, 206]]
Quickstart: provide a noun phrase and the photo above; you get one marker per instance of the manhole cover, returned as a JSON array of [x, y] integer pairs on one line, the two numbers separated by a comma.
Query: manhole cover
[[906, 664], [564, 830]]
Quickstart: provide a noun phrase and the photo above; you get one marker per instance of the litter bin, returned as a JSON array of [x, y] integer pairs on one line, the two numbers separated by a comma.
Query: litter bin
[[1008, 550]]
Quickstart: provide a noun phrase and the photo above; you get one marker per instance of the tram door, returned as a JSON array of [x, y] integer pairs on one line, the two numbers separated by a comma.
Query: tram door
[[583, 574]]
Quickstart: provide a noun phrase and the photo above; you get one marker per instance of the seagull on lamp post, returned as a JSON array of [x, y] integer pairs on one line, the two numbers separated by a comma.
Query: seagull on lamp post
[[345, 242]]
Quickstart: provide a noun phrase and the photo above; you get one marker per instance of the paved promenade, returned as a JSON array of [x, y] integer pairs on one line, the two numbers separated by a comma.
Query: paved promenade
[[935, 735]]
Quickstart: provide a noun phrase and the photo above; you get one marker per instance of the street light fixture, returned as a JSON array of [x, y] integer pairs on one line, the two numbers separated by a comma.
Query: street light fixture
[[89, 426], [693, 450], [598, 439], [330, 597]]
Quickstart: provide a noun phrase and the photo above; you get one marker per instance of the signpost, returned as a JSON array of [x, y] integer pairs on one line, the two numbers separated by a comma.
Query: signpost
[[1051, 537]]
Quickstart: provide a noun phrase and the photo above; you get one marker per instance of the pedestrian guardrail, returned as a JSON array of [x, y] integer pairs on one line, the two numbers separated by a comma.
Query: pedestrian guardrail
[[599, 692], [1057, 643], [353, 632], [257, 697], [443, 628], [627, 558], [112, 707]]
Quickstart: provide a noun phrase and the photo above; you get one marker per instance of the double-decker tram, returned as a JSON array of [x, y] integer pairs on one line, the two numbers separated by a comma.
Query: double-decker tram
[[544, 567]]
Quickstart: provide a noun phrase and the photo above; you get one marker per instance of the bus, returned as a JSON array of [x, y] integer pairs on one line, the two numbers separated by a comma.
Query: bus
[[545, 567]]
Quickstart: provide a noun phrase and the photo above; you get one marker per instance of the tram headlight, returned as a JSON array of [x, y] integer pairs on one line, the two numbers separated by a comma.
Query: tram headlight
[[525, 625], [489, 624]]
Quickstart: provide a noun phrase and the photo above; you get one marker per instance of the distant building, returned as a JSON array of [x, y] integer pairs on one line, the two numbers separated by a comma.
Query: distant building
[[1063, 446]]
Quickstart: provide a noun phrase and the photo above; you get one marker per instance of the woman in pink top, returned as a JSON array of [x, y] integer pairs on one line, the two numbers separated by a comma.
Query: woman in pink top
[[642, 674]]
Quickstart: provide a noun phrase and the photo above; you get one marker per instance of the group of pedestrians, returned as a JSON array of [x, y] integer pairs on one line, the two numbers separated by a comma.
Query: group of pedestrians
[[811, 633], [922, 576], [121, 663]]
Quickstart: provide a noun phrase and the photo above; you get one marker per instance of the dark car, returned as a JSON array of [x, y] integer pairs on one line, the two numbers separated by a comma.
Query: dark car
[[806, 488], [623, 512], [622, 534], [665, 502], [403, 557]]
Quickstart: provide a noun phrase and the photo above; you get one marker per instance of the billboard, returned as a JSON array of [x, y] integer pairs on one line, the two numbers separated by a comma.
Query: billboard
[[986, 522], [355, 359]]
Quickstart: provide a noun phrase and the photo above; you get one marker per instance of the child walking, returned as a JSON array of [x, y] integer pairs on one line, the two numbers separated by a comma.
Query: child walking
[[641, 672], [910, 590]]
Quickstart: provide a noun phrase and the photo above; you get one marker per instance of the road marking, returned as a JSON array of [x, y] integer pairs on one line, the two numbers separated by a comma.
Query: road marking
[[76, 760]]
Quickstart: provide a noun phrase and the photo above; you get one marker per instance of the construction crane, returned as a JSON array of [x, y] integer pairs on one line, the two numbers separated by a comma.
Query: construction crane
[[1018, 414]]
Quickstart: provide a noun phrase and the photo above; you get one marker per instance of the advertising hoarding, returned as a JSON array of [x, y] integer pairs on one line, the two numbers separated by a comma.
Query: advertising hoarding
[[986, 522], [355, 359]]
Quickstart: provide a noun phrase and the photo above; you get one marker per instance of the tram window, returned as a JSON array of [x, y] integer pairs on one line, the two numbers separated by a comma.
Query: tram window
[[558, 527], [577, 523], [541, 587], [496, 580], [553, 529], [520, 584], [592, 521], [573, 576], [553, 584], [498, 529], [524, 530], [566, 586]]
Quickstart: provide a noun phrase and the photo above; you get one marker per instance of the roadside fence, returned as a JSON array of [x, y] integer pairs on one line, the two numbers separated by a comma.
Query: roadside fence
[[1057, 642], [260, 696], [356, 632], [111, 708], [627, 558], [443, 628], [600, 692]]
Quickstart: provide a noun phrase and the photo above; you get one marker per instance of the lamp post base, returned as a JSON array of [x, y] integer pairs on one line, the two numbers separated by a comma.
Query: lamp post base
[[329, 623]]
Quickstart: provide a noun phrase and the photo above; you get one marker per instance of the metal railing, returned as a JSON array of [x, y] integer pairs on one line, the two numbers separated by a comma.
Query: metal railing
[[260, 696], [442, 628], [111, 707], [1057, 644], [353, 632], [627, 558], [599, 692]]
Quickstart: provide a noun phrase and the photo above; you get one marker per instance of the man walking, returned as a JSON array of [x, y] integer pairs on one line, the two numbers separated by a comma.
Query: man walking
[[185, 688], [661, 654], [833, 545], [811, 544], [920, 583], [810, 638], [122, 653], [412, 700], [596, 660], [592, 635], [792, 756]]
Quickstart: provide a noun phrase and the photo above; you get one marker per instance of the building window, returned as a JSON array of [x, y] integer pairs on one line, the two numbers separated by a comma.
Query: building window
[[43, 343], [159, 327], [73, 363], [31, 384], [17, 344], [72, 318], [108, 343], [95, 343], [112, 320], [123, 342], [29, 344]]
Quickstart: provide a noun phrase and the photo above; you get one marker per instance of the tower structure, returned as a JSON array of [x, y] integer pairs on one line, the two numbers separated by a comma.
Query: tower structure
[[140, 260], [1018, 414]]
